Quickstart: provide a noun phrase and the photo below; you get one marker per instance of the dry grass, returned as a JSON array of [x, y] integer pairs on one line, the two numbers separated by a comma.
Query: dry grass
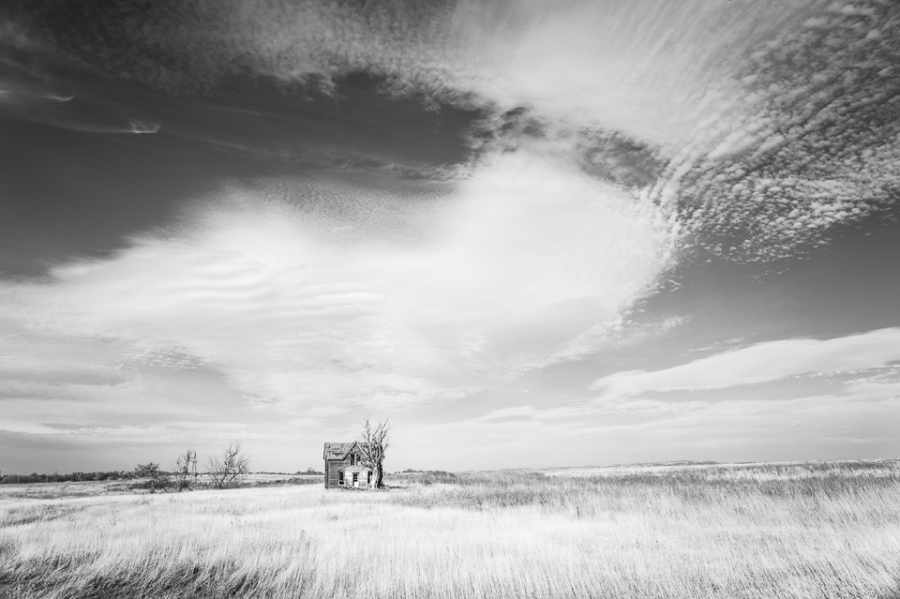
[[761, 531], [68, 490], [62, 490]]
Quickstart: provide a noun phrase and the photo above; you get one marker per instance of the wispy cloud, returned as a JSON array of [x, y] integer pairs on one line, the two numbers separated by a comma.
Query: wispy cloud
[[858, 424], [761, 363], [738, 99], [32, 102], [385, 303]]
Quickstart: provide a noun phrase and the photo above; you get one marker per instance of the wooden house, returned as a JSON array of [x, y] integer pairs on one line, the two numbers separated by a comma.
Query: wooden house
[[343, 467]]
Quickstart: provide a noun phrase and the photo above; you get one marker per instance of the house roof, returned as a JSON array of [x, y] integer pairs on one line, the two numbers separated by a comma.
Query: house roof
[[337, 451]]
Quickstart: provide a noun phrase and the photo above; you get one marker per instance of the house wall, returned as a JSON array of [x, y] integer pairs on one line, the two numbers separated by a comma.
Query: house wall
[[331, 471], [332, 467]]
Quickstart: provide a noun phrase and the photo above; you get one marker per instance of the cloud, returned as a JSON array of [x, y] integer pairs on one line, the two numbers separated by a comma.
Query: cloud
[[643, 68], [811, 145], [507, 414], [36, 103], [861, 424], [772, 123], [354, 297], [760, 363], [620, 133], [772, 131]]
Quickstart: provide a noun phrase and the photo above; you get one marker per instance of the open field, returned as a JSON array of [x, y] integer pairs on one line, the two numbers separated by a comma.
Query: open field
[[68, 490], [749, 530]]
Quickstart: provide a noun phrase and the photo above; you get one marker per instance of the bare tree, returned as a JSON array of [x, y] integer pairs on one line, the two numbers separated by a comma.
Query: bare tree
[[373, 444], [229, 469], [186, 470]]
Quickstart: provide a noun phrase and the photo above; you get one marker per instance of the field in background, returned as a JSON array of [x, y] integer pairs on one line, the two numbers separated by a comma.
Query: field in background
[[747, 530], [72, 489], [758, 471]]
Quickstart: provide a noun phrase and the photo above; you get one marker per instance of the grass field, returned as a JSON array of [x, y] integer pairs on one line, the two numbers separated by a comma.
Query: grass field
[[754, 530]]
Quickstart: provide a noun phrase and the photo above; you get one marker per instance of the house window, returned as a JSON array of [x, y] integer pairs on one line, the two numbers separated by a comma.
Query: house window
[[353, 459], [369, 478], [340, 477], [355, 478]]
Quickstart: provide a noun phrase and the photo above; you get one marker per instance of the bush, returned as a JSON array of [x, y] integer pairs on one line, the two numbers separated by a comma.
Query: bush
[[230, 469], [157, 480]]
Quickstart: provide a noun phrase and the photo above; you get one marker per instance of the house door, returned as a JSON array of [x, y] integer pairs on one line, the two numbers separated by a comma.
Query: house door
[[356, 479]]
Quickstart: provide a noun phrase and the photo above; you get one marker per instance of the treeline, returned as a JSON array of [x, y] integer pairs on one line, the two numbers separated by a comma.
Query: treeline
[[56, 477], [223, 471], [34, 477]]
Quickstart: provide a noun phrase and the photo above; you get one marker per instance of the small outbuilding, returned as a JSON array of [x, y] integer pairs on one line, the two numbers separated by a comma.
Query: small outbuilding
[[343, 466]]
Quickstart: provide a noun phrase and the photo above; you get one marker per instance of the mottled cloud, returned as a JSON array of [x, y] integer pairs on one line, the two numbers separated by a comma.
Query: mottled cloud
[[769, 123], [811, 146], [642, 68]]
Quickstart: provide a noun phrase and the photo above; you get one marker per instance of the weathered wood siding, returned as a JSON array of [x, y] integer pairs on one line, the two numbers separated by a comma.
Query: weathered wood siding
[[331, 471], [332, 476]]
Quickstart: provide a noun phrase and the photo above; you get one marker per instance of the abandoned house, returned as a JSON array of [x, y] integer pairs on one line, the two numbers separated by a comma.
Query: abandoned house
[[343, 467]]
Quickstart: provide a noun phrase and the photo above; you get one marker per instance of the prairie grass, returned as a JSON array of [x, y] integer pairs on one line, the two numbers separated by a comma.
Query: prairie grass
[[70, 489], [691, 532]]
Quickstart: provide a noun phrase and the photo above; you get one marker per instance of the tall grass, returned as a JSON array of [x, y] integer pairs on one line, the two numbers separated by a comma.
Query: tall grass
[[639, 533]]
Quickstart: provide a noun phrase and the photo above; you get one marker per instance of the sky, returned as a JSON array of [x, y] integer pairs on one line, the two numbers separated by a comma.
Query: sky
[[527, 233]]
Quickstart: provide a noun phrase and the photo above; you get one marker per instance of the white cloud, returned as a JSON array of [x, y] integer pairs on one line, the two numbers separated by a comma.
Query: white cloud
[[517, 412], [861, 424], [367, 300], [763, 362]]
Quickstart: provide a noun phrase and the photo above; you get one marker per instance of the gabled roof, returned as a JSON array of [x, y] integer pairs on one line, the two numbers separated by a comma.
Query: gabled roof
[[337, 451]]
